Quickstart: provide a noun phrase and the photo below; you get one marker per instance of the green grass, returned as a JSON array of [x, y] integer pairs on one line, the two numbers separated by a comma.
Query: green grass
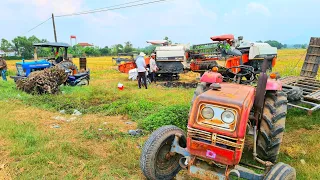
[[89, 149]]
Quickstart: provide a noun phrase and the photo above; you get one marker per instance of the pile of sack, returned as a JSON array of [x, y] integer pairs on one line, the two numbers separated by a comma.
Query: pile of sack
[[46, 81]]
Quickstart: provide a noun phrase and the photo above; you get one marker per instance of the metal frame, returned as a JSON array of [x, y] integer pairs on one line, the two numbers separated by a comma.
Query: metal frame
[[220, 173], [311, 92]]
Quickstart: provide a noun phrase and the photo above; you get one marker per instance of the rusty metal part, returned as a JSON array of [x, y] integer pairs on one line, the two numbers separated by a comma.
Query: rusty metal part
[[251, 165], [260, 91]]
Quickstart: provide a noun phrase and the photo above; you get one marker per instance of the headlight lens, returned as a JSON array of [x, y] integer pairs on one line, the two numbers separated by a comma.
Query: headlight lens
[[228, 117], [207, 113]]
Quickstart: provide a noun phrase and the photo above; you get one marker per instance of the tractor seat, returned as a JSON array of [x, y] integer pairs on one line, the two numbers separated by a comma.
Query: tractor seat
[[80, 75]]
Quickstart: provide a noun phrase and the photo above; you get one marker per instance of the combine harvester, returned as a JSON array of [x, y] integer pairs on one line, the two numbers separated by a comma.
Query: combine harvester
[[171, 59], [203, 57]]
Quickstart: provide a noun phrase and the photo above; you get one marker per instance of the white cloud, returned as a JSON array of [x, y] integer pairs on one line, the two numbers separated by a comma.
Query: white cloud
[[257, 8], [42, 9], [184, 12], [109, 18]]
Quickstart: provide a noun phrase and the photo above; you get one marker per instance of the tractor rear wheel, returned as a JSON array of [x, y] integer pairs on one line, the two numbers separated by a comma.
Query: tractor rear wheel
[[281, 171], [272, 126], [156, 162]]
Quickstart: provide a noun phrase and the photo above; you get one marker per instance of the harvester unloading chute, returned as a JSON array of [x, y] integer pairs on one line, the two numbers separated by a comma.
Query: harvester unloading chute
[[158, 42]]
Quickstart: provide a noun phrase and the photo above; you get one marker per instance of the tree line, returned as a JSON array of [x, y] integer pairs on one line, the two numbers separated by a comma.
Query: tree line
[[23, 47], [279, 45]]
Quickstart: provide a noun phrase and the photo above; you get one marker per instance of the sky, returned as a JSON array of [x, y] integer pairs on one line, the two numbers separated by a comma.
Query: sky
[[183, 21]]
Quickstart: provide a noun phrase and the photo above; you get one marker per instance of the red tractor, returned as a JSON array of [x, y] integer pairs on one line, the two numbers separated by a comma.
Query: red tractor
[[223, 116]]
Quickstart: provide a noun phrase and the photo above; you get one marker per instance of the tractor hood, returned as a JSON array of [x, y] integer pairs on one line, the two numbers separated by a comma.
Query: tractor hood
[[234, 98], [229, 94]]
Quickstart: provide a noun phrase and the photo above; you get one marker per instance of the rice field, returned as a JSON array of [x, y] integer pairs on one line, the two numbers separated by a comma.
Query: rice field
[[38, 142]]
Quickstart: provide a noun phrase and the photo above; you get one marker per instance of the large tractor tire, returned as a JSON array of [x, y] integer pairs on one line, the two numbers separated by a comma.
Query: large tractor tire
[[272, 126], [155, 160], [281, 171], [293, 93]]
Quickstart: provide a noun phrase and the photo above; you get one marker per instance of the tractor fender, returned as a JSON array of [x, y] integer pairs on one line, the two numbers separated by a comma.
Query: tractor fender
[[211, 77], [274, 85]]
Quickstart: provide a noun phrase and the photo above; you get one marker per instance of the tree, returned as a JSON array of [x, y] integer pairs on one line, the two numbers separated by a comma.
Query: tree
[[169, 41], [6, 45], [304, 46], [274, 43], [117, 48], [105, 51], [127, 47], [285, 46], [259, 41]]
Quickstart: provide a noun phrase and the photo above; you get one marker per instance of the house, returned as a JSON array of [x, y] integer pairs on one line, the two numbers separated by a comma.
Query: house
[[84, 44], [8, 54]]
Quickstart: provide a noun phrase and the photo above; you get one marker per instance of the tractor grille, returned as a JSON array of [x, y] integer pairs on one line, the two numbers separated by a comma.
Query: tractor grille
[[215, 139]]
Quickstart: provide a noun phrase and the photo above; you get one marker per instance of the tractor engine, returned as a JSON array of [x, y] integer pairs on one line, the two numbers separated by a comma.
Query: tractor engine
[[218, 121]]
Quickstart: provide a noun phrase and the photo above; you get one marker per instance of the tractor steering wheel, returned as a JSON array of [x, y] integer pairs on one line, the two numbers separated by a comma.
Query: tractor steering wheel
[[245, 71]]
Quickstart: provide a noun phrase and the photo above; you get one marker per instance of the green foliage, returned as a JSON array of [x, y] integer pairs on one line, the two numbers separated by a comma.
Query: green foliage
[[172, 115], [274, 43], [127, 47], [6, 45], [166, 38]]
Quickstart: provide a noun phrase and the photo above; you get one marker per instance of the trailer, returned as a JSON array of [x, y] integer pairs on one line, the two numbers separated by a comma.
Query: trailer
[[307, 81]]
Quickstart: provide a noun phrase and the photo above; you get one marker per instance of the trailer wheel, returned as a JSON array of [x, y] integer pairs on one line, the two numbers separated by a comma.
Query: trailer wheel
[[281, 171], [293, 93], [83, 82], [272, 126], [155, 160]]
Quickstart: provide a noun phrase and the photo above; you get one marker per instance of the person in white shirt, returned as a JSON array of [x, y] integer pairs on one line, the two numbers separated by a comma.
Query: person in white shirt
[[141, 67], [153, 67]]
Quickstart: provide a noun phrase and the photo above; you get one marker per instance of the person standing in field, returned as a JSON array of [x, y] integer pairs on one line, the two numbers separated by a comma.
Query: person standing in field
[[141, 67], [153, 67], [3, 68]]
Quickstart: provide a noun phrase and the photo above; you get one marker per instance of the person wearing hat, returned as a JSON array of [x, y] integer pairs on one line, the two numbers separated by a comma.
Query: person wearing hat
[[153, 67], [141, 67], [3, 68], [227, 49]]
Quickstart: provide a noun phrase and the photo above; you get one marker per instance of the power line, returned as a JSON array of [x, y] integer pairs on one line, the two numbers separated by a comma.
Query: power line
[[114, 7], [106, 7], [37, 26], [123, 7]]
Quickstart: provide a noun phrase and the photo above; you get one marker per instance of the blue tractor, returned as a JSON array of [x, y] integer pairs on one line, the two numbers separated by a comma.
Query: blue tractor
[[75, 78]]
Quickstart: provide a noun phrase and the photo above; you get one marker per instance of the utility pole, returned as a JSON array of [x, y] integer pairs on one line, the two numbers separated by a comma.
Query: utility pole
[[54, 28]]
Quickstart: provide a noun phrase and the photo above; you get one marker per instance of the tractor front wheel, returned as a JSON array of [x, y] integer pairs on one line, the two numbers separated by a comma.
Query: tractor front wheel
[[156, 161], [272, 126], [281, 171]]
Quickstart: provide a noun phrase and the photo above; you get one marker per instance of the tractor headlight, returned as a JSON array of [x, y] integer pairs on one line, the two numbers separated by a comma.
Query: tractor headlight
[[228, 116], [207, 113]]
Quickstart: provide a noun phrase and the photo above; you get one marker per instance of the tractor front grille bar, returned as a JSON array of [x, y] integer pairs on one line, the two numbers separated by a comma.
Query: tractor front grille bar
[[214, 138]]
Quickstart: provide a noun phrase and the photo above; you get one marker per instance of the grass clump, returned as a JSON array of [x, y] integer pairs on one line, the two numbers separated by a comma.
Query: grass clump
[[172, 115]]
